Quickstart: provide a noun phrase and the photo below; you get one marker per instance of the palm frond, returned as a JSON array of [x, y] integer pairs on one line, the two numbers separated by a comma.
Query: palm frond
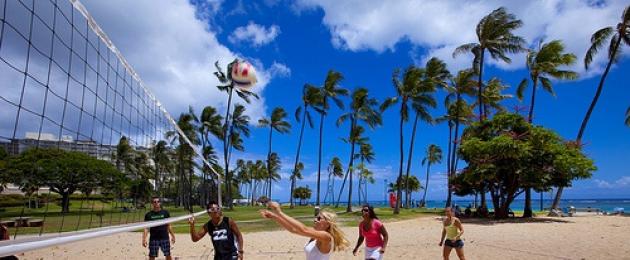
[[521, 89], [597, 40], [546, 84], [388, 103]]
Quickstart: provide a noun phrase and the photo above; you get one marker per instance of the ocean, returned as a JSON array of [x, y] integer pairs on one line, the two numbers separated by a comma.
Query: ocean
[[607, 205]]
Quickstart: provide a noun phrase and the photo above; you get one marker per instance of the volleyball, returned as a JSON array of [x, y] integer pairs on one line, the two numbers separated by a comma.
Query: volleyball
[[243, 75]]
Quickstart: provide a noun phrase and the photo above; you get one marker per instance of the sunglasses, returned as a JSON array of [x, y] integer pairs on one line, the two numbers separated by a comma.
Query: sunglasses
[[365, 210], [214, 209]]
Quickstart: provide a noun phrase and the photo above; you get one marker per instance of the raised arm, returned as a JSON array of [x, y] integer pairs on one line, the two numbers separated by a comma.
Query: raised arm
[[294, 226], [196, 236]]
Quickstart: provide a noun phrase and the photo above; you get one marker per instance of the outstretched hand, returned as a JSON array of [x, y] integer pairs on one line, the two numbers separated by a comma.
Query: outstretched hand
[[191, 220], [273, 205], [267, 214]]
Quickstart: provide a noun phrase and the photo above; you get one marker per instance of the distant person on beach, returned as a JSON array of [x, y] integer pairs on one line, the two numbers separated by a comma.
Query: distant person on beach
[[325, 236], [223, 231], [158, 238], [453, 230], [374, 233]]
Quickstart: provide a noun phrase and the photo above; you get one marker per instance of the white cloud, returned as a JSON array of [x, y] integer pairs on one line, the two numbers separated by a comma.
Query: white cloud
[[280, 70], [173, 49], [623, 182], [257, 34], [440, 26]]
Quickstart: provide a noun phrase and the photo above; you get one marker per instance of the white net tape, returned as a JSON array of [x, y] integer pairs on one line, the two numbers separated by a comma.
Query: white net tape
[[22, 245]]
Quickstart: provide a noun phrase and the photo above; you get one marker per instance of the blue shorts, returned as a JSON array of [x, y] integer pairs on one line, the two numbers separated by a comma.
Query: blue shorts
[[155, 245], [455, 244]]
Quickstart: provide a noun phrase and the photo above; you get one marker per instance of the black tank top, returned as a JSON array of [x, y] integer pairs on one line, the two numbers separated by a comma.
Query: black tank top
[[222, 239]]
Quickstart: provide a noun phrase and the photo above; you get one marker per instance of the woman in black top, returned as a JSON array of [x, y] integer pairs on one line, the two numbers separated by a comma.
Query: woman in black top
[[222, 231]]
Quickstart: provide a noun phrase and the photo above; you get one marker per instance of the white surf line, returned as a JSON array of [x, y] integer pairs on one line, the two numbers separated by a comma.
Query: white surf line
[[22, 245]]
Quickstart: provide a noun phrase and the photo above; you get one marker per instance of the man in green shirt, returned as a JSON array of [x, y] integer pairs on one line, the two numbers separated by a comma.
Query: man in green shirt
[[159, 234]]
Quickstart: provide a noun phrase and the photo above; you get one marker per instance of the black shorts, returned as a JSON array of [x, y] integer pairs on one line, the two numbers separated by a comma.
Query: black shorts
[[155, 245], [455, 244]]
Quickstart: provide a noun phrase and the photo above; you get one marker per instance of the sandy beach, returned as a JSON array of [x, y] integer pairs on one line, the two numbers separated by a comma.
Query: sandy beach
[[587, 237]]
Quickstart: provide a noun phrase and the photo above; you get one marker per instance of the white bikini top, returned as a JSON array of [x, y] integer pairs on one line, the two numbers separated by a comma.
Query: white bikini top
[[313, 253]]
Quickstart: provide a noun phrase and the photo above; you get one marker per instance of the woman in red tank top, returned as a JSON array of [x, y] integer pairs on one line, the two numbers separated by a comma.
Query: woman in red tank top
[[373, 232]]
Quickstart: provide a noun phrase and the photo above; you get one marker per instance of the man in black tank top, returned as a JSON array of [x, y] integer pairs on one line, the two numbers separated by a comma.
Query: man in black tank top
[[222, 230]]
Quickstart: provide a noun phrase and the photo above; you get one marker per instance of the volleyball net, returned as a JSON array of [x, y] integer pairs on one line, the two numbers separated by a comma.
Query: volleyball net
[[67, 92]]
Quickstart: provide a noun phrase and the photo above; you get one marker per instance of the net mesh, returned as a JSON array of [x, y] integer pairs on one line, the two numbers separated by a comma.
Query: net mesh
[[66, 86]]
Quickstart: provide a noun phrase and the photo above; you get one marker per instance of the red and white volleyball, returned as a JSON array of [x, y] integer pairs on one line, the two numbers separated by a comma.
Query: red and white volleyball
[[243, 74]]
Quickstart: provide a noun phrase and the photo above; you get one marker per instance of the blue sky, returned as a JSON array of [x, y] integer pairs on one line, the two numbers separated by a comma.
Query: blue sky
[[173, 44]]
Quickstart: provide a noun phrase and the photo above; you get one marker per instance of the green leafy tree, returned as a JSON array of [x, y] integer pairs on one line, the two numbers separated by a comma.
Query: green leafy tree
[[433, 155], [508, 155], [275, 122], [494, 34], [302, 193], [63, 172]]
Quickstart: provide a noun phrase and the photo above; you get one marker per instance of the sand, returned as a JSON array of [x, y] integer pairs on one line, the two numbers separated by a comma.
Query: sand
[[588, 237]]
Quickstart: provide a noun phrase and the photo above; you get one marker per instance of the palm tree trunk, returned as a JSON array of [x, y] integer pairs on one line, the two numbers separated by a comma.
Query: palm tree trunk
[[527, 211], [413, 137], [269, 162], [530, 118], [319, 156], [400, 166], [226, 145], [297, 157], [426, 186], [448, 166], [578, 140], [350, 170], [480, 87]]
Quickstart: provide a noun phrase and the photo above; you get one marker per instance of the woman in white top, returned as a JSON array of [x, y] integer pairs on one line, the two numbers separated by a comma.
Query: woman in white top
[[325, 235]]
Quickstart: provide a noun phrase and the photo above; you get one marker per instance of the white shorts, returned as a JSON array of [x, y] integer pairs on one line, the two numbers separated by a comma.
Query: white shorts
[[373, 253]]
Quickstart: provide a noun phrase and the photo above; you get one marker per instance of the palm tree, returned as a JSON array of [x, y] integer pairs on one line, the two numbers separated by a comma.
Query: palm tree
[[330, 90], [366, 154], [492, 96], [543, 64], [405, 90], [185, 153], [209, 123], [616, 35], [335, 170], [365, 176], [435, 75], [162, 162], [230, 88], [494, 34], [277, 122], [363, 108], [296, 175], [310, 97], [433, 155]]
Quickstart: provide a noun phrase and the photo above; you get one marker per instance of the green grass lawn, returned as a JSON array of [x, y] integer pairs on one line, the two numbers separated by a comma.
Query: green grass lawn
[[92, 214]]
